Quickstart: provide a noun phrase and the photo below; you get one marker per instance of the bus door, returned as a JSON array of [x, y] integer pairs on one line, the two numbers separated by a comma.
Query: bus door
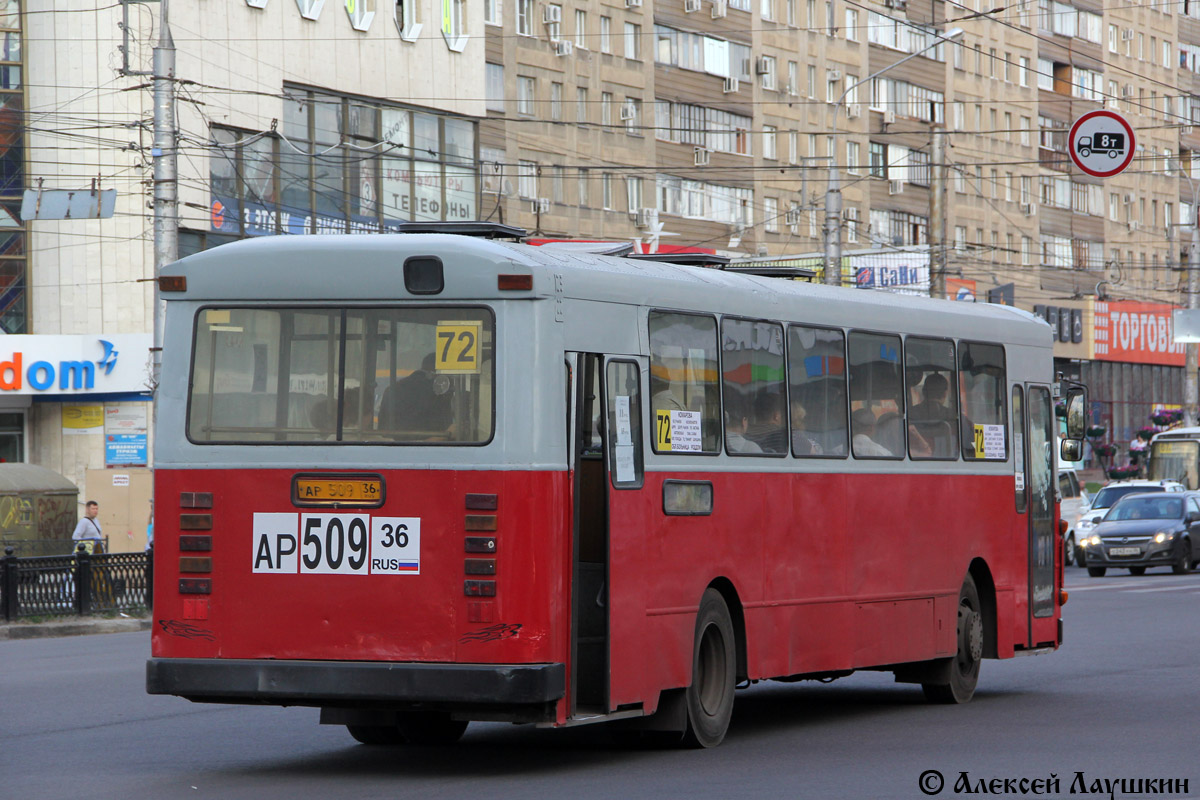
[[607, 459], [1039, 477]]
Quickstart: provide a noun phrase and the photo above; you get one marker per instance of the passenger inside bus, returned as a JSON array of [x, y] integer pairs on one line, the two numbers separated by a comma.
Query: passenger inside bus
[[413, 408], [736, 423], [767, 430], [863, 422], [802, 443], [932, 418]]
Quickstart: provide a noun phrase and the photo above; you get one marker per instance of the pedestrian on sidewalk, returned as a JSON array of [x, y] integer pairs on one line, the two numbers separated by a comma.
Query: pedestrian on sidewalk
[[88, 529]]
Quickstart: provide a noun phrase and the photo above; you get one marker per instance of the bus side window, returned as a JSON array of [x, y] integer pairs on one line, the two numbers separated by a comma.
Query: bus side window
[[685, 400], [817, 391], [932, 380], [876, 396], [982, 378], [624, 425], [752, 384]]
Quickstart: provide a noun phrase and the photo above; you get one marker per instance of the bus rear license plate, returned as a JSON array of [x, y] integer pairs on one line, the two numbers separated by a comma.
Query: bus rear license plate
[[362, 492], [1125, 551]]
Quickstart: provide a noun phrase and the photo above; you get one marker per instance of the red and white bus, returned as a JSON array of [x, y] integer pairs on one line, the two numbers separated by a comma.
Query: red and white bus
[[422, 479]]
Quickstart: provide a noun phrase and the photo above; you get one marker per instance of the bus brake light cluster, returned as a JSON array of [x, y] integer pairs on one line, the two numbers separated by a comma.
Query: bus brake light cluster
[[480, 545], [195, 543]]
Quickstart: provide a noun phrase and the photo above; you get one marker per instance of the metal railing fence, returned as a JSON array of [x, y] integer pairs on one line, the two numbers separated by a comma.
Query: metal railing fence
[[78, 584]]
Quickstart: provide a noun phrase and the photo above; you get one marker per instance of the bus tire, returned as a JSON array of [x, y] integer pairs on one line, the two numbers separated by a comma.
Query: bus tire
[[709, 698], [430, 728], [962, 672], [376, 735]]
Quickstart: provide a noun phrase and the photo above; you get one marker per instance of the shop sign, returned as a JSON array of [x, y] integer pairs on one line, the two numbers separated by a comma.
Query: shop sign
[[75, 365], [1138, 333], [1066, 324], [902, 272], [80, 419], [125, 450], [960, 289]]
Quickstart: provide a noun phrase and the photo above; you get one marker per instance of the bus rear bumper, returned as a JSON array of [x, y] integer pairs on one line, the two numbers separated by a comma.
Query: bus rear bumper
[[330, 683]]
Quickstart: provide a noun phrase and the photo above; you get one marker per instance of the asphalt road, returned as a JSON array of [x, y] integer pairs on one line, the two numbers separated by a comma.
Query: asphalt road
[[1119, 700]]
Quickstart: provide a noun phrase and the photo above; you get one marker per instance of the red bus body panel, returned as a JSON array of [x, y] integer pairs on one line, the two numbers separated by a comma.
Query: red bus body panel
[[831, 574]]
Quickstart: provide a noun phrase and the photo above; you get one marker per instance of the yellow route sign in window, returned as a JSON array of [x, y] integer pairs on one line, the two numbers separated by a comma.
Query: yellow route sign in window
[[457, 347]]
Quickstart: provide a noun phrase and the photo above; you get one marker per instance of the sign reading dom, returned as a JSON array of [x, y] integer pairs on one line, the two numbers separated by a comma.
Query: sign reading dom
[[1101, 143]]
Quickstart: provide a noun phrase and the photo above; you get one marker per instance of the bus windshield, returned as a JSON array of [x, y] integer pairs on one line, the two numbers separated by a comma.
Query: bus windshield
[[1175, 461], [342, 375]]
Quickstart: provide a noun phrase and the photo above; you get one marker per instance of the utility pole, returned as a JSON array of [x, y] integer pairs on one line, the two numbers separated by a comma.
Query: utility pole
[[1191, 392], [833, 222], [937, 216], [166, 184]]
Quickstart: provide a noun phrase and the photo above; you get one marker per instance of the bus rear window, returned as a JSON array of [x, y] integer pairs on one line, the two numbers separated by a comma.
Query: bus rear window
[[342, 375], [1175, 461]]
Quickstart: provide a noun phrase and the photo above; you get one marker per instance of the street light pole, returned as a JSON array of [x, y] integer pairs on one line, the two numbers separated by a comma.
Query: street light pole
[[937, 216], [833, 194], [1191, 394], [166, 185]]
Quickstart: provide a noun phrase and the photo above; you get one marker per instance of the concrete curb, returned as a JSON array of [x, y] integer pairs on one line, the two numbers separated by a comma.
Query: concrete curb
[[75, 627]]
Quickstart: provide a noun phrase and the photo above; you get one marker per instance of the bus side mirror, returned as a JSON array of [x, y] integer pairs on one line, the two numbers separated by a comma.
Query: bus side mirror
[[1070, 449], [1075, 416]]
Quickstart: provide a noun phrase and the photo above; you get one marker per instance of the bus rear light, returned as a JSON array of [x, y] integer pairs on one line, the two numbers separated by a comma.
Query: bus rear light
[[481, 502], [195, 564], [481, 522], [514, 283], [479, 611], [481, 544], [480, 566], [479, 588], [172, 283], [195, 585], [1062, 526], [195, 543], [1062, 597], [195, 522], [195, 499]]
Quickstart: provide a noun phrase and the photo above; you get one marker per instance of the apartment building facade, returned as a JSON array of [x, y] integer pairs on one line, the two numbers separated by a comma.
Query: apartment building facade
[[677, 122]]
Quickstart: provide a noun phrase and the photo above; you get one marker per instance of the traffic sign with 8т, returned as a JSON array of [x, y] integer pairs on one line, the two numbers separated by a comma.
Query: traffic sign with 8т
[[1101, 143]]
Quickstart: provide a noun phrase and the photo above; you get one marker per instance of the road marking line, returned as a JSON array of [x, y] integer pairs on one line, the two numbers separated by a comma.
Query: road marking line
[[1164, 589]]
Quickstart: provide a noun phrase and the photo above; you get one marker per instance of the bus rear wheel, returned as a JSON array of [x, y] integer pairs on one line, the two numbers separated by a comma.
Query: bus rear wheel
[[963, 668], [710, 696]]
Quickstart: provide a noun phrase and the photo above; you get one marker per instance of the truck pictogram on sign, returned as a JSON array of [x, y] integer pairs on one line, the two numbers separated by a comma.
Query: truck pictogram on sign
[[1101, 143]]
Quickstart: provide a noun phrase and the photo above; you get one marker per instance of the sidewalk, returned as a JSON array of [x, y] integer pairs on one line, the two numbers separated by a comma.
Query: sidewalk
[[73, 626]]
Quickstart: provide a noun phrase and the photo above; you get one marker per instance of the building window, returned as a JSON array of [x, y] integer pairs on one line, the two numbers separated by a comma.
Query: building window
[[494, 86], [606, 34], [766, 68], [633, 38], [851, 25], [581, 104], [606, 185], [581, 41], [878, 160], [770, 215], [361, 13], [606, 100], [525, 17], [310, 9], [454, 24], [556, 101], [553, 21], [493, 12], [769, 143], [851, 215], [526, 88], [767, 7], [407, 19], [527, 180], [853, 158], [633, 194]]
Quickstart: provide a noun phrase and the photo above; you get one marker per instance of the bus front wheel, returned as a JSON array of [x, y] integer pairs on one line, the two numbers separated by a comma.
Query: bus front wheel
[[714, 661], [430, 727], [380, 735], [963, 669]]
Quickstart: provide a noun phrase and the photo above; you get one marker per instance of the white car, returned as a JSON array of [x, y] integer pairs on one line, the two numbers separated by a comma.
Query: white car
[[1093, 512], [1072, 498]]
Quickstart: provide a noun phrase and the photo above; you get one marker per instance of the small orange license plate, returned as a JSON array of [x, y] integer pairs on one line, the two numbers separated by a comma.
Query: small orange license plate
[[364, 491]]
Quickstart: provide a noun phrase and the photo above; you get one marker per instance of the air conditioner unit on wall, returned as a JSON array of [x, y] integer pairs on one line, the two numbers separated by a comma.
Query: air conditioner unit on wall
[[719, 9], [552, 14], [762, 66], [691, 6], [1028, 209], [833, 75], [541, 205], [895, 187], [731, 85], [853, 110], [646, 217], [889, 117], [1127, 34], [628, 112], [702, 156], [633, 3], [563, 47]]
